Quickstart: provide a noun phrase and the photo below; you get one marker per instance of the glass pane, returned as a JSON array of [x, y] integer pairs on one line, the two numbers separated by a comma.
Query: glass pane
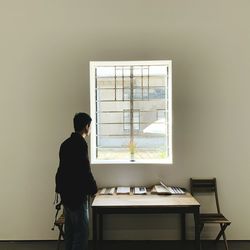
[[105, 94], [150, 147], [110, 117], [112, 106], [105, 83], [158, 70], [113, 147], [113, 154], [111, 129], [105, 71]]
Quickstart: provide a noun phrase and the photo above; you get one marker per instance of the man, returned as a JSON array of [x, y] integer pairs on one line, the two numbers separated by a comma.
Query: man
[[74, 181]]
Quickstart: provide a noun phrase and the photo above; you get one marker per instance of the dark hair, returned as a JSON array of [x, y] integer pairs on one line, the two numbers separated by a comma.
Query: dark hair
[[80, 121]]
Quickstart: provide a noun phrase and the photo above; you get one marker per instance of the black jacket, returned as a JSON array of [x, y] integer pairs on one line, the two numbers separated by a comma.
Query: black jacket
[[74, 179]]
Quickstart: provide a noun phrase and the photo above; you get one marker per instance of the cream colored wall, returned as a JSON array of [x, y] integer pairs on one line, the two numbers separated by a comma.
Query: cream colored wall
[[45, 50]]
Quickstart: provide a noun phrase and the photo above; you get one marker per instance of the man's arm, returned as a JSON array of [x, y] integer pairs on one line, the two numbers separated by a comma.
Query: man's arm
[[89, 181]]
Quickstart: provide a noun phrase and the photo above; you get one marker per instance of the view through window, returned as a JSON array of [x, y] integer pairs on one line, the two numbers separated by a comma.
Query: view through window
[[131, 108]]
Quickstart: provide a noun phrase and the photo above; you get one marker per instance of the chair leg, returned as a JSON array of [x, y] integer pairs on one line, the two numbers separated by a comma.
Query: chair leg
[[223, 227], [61, 234], [58, 242], [201, 227], [61, 231], [225, 241], [222, 233]]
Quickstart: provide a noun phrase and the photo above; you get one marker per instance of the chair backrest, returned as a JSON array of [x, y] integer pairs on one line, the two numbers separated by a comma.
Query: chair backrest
[[205, 186]]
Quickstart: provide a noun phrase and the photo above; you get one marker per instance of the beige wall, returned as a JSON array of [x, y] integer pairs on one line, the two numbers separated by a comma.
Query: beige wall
[[45, 49]]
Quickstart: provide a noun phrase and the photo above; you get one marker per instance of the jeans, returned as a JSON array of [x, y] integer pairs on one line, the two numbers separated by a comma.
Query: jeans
[[76, 228]]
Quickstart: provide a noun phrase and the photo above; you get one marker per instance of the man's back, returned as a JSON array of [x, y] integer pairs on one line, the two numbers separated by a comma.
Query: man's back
[[74, 179]]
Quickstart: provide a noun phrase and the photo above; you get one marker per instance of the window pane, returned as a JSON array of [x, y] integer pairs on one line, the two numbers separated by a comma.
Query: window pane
[[153, 147], [113, 147]]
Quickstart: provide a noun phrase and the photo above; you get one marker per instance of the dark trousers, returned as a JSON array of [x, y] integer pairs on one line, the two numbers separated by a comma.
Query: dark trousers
[[76, 227]]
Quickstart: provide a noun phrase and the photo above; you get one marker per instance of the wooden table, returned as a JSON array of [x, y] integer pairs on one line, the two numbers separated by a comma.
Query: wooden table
[[145, 204]]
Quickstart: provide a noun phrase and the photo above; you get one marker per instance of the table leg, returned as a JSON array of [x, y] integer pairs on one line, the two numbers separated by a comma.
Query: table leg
[[197, 228], [94, 218], [183, 226], [100, 226]]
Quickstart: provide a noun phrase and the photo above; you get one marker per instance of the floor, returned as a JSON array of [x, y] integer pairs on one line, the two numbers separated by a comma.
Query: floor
[[126, 245]]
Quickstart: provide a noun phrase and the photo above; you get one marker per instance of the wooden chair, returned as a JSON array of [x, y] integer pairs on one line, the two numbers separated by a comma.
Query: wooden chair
[[209, 186]]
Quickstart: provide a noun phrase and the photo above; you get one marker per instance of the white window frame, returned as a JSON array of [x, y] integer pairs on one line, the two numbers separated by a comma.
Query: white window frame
[[93, 66]]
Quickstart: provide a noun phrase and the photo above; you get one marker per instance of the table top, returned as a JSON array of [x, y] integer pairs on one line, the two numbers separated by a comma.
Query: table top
[[149, 200]]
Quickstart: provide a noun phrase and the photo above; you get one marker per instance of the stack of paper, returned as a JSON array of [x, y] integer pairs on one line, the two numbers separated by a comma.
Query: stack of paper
[[108, 191], [140, 190], [123, 190]]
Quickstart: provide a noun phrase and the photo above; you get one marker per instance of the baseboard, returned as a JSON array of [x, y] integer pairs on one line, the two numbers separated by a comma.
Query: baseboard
[[140, 241]]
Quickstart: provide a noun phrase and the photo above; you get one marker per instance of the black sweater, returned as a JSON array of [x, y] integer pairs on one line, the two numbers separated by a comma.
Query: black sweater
[[74, 179]]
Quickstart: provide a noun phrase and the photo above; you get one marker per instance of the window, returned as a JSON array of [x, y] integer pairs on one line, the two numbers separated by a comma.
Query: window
[[131, 108]]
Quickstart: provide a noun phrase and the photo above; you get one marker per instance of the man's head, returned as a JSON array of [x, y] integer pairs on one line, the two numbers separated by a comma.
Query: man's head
[[82, 123]]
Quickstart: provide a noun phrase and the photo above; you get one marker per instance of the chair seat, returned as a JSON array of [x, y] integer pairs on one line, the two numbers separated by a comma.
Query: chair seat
[[214, 218], [60, 221]]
